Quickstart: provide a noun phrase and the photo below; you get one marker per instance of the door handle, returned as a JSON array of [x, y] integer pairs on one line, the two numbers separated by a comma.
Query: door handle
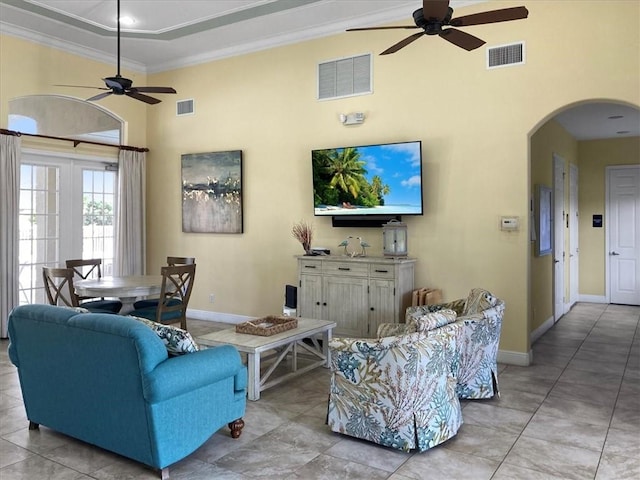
[[556, 261], [614, 253]]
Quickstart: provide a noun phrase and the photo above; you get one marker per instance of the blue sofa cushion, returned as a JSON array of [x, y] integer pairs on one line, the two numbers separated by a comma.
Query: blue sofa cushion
[[176, 340]]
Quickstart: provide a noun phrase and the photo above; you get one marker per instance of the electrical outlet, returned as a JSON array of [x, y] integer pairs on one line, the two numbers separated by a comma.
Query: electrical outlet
[[212, 297]]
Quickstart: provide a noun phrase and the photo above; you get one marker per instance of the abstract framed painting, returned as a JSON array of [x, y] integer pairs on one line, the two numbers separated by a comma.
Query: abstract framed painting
[[212, 192]]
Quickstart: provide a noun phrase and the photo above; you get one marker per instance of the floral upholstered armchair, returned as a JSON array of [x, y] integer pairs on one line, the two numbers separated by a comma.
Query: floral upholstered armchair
[[481, 316], [398, 391]]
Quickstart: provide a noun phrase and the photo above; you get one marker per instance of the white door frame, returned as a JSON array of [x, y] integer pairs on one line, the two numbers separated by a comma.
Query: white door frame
[[558, 236], [574, 245], [608, 226]]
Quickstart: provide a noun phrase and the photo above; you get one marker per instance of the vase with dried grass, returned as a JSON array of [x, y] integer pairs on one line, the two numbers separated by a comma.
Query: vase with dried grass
[[303, 232]]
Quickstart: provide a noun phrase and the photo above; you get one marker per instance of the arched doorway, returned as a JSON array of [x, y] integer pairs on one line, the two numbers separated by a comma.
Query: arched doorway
[[590, 137]]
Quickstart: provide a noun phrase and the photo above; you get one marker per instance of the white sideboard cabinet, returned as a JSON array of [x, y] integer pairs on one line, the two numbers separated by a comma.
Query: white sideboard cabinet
[[357, 293]]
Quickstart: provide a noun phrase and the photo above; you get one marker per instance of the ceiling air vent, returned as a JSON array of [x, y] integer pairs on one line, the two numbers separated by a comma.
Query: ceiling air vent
[[184, 107], [344, 77], [505, 55]]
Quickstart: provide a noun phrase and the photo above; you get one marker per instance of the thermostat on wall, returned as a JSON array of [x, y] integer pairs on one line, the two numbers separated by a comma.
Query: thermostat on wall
[[509, 223]]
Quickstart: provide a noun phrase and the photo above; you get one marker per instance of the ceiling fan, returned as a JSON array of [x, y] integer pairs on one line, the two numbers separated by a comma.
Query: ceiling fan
[[119, 85], [436, 14]]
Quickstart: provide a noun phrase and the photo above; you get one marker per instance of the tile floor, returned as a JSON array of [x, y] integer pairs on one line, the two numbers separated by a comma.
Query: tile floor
[[573, 414]]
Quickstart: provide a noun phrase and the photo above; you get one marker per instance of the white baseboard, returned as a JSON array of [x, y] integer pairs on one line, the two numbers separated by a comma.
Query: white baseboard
[[216, 316], [515, 358], [541, 330], [593, 299]]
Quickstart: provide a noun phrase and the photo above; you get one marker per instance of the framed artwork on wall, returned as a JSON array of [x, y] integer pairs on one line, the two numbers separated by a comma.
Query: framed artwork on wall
[[212, 192], [543, 220]]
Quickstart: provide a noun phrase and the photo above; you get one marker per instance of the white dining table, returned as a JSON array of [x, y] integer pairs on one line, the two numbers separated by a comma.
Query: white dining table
[[127, 288]]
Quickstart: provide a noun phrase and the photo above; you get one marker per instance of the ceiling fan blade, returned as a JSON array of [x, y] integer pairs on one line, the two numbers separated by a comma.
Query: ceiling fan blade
[[99, 96], [402, 43], [82, 86], [492, 16], [153, 89], [142, 98], [381, 28], [461, 39], [436, 9]]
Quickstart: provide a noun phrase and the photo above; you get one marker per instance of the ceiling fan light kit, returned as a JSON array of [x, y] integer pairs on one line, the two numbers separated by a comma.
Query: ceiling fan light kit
[[119, 85], [436, 14]]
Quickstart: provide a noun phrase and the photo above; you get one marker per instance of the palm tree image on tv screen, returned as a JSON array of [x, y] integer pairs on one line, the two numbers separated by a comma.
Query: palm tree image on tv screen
[[381, 179]]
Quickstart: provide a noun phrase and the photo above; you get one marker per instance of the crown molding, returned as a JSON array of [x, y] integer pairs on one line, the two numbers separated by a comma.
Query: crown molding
[[69, 47]]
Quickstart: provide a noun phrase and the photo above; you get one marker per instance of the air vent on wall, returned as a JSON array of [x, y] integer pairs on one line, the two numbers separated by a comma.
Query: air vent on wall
[[505, 55], [185, 107], [344, 77]]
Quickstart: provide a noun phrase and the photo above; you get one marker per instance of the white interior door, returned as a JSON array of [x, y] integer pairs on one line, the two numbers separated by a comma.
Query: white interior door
[[623, 228], [574, 256], [558, 237]]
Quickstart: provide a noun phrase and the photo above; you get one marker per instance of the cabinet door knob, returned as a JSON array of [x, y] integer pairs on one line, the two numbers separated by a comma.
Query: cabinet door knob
[[317, 303], [324, 304], [372, 309]]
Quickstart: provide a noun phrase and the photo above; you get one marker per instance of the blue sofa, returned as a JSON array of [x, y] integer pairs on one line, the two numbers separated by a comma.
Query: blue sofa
[[109, 381]]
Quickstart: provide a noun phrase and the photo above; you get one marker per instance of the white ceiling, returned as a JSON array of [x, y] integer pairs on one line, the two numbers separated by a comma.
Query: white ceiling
[[170, 34]]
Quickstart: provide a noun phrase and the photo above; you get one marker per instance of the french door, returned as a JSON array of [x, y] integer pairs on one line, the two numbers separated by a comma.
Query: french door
[[67, 210]]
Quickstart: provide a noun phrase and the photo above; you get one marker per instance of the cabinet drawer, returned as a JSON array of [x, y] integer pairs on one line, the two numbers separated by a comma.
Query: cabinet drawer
[[381, 270], [311, 266], [352, 269]]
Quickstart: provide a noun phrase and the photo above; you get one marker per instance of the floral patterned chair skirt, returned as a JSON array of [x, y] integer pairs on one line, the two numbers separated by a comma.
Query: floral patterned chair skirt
[[397, 391]]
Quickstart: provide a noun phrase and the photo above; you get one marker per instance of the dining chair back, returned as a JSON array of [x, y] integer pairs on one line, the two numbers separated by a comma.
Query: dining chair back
[[171, 261], [91, 268], [177, 284], [58, 284]]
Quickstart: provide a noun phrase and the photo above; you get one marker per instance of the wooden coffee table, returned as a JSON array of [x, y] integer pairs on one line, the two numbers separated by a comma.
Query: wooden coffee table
[[285, 343]]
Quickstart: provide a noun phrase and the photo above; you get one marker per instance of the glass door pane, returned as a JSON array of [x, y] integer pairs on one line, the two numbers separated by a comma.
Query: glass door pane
[[39, 221], [98, 200]]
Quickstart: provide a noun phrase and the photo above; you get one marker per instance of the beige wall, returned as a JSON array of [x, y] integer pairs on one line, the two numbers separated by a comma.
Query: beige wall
[[595, 156], [475, 127]]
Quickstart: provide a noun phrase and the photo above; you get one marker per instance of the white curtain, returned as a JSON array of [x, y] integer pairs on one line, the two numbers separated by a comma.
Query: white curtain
[[9, 197], [130, 250]]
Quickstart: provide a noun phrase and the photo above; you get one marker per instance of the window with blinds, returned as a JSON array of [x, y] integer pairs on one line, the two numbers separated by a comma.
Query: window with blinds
[[344, 77]]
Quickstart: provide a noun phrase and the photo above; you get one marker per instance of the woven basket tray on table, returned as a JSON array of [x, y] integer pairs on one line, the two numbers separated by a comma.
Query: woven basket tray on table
[[267, 326]]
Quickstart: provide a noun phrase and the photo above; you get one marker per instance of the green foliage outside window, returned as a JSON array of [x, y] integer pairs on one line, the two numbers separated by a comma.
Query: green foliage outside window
[[98, 213]]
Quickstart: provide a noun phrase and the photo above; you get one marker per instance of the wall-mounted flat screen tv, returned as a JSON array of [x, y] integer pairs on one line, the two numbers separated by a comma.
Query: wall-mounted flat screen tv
[[382, 179]]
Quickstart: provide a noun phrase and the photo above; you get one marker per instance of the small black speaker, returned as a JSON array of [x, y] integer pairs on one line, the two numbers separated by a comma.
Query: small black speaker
[[291, 296]]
